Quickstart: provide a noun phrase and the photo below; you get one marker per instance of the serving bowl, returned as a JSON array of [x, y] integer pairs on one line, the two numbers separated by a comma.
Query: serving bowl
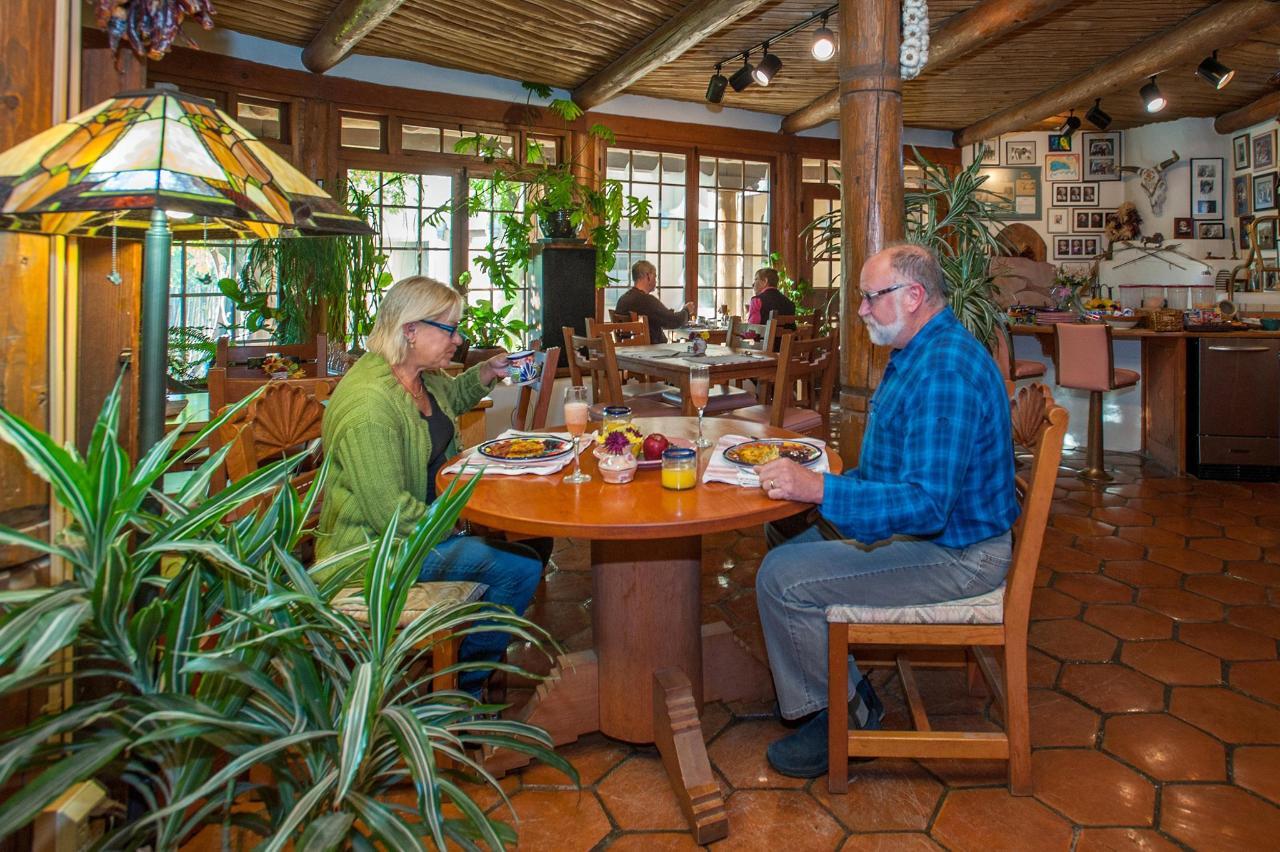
[[1122, 322]]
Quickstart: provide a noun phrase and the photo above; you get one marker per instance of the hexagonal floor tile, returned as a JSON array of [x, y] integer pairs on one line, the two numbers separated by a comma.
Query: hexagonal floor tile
[[1129, 622], [655, 841], [592, 756], [1227, 589], [1228, 641], [885, 795], [1047, 603], [1226, 548], [1093, 588], [1152, 537], [1056, 720], [1259, 679], [768, 820], [1123, 840], [1111, 548], [1142, 573], [1166, 748], [894, 842], [1264, 573], [1180, 605], [985, 820], [559, 819], [1186, 561], [1123, 516], [1264, 619], [1230, 717], [638, 796], [1072, 640], [1183, 525], [1173, 662], [1090, 788], [1218, 818], [1258, 769], [738, 754], [1111, 688]]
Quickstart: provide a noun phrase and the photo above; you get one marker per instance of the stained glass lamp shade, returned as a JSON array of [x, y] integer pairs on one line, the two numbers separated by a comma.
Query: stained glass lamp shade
[[159, 148]]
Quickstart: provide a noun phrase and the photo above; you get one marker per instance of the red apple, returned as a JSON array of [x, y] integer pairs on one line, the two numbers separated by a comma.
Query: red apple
[[654, 446]]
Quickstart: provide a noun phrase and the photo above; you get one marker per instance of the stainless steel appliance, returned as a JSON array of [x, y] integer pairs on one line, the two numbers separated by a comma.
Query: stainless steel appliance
[[1237, 429]]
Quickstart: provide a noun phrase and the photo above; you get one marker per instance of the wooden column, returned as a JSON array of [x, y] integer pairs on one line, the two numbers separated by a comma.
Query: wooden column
[[871, 188]]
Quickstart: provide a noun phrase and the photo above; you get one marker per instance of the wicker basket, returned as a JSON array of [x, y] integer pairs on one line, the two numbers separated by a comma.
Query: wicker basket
[[1164, 319]]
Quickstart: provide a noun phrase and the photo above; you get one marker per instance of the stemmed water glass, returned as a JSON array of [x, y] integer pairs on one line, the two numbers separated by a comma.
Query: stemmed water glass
[[699, 389], [577, 406]]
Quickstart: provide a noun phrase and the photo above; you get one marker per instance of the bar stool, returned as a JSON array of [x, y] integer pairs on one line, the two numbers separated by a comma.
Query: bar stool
[[1012, 368], [1083, 360]]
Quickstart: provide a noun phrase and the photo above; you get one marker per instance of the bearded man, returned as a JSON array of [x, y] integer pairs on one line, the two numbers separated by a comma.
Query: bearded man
[[925, 517]]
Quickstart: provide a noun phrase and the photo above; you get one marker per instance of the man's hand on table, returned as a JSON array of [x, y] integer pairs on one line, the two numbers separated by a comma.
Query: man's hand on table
[[786, 480]]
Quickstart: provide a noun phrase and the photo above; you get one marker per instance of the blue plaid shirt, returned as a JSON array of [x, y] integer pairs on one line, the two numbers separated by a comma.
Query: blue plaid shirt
[[937, 454]]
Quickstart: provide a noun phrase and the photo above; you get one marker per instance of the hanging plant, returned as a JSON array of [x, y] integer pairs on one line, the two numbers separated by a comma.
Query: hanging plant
[[149, 26]]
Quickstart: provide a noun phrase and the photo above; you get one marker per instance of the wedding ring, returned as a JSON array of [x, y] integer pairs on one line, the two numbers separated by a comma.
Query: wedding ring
[[772, 483]]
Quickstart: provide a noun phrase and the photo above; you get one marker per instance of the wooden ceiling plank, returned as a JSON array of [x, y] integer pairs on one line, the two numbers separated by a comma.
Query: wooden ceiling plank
[[1264, 108], [667, 43], [351, 21], [957, 36], [1219, 26]]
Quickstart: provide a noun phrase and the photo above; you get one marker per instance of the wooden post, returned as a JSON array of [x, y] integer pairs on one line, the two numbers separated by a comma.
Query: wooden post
[[871, 188], [1263, 109]]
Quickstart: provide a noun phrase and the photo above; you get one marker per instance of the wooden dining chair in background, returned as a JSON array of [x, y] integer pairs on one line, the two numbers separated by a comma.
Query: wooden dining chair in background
[[312, 357], [801, 364], [225, 388], [913, 637], [594, 358], [634, 333], [535, 398]]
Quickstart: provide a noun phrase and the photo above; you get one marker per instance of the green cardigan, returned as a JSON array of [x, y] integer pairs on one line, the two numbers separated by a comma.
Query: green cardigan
[[379, 446]]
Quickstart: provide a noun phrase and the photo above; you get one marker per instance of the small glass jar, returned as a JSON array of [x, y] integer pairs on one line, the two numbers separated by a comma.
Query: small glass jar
[[615, 417], [679, 468]]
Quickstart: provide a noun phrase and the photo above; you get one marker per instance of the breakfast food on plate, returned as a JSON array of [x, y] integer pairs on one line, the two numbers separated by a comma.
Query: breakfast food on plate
[[763, 452], [512, 449]]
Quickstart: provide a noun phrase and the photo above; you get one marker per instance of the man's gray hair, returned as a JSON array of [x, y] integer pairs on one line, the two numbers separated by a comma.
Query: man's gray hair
[[913, 262], [640, 269]]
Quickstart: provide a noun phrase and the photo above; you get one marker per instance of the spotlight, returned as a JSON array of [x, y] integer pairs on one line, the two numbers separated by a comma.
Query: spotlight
[[824, 42], [1097, 117], [715, 88], [1151, 97], [1214, 72], [743, 76], [768, 68], [1071, 125]]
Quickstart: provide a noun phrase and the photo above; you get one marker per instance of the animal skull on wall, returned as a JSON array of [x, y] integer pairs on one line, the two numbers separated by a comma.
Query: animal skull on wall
[[1152, 181]]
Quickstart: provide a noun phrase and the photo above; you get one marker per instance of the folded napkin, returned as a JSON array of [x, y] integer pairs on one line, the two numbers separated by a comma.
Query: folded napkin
[[720, 469], [473, 461]]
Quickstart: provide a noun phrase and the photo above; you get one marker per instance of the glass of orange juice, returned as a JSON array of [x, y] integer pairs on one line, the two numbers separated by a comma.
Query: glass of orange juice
[[699, 390], [577, 405]]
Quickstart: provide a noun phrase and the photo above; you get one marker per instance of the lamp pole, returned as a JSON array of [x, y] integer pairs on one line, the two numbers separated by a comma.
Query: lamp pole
[[152, 367]]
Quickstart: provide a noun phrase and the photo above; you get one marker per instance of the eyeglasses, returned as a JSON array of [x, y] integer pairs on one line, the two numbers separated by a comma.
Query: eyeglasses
[[450, 330], [870, 298]]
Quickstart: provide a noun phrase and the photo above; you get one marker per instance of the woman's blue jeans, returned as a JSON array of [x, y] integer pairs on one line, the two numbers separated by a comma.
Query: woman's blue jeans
[[510, 570]]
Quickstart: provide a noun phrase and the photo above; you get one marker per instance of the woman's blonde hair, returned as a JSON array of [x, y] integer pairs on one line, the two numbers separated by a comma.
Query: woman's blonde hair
[[409, 300]]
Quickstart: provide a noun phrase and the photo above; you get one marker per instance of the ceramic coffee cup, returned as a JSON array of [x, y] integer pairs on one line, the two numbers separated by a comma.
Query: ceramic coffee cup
[[522, 367]]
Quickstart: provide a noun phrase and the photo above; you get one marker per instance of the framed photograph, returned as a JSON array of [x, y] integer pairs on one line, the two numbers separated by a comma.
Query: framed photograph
[[1266, 235], [1183, 229], [1241, 195], [1239, 151], [987, 151], [1058, 221], [1059, 142], [1264, 150], [1020, 153], [1089, 221], [1076, 248], [1264, 191], [1101, 156], [1211, 231], [1207, 196], [1015, 191], [1244, 232], [1062, 167], [1075, 195]]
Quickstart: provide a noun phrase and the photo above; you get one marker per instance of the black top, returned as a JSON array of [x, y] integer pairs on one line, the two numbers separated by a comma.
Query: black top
[[659, 315], [774, 301], [440, 428]]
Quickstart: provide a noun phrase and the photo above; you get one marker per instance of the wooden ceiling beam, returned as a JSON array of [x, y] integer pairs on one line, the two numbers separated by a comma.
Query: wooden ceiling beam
[[351, 21], [1219, 26], [959, 34], [1264, 108], [695, 22]]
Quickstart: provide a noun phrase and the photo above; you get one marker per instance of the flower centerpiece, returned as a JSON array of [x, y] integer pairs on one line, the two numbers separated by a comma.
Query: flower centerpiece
[[619, 439], [282, 367]]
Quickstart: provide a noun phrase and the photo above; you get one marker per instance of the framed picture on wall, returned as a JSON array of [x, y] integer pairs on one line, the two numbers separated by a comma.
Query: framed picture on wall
[[1207, 174], [1075, 195], [1245, 221], [1101, 156], [1266, 235], [1020, 152], [1059, 142], [1241, 195], [1264, 191], [1058, 221], [987, 151], [1089, 221], [1062, 167], [1240, 151], [1183, 228], [1211, 231], [1015, 192], [1076, 248], [1264, 149]]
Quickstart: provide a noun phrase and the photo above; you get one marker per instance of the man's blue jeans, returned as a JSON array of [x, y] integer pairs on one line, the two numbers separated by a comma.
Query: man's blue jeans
[[801, 577], [510, 570]]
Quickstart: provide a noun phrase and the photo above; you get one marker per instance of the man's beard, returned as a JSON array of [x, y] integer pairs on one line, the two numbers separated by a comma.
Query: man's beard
[[884, 334]]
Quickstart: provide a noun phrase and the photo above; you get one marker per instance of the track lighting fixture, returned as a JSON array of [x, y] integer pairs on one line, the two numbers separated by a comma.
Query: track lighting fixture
[[768, 68], [742, 77], [824, 42], [1214, 72], [1071, 125], [1151, 97], [1097, 117], [715, 88]]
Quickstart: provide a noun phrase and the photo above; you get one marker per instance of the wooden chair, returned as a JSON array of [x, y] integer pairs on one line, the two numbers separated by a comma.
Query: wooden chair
[[635, 333], [620, 316], [1010, 367], [312, 357], [594, 357], [907, 638], [537, 394], [225, 389], [801, 364]]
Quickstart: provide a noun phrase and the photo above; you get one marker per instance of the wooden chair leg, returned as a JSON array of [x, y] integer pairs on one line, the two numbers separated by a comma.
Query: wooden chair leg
[[444, 653], [1017, 721], [837, 715], [973, 675]]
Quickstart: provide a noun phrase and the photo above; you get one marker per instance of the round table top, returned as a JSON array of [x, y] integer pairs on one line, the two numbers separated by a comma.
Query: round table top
[[640, 509]]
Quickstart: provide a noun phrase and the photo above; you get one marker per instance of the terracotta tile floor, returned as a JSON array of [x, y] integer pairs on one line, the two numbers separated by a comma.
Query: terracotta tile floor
[[1155, 700]]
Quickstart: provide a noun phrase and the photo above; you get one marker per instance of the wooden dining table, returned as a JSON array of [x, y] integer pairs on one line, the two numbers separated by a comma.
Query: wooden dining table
[[653, 663], [670, 363]]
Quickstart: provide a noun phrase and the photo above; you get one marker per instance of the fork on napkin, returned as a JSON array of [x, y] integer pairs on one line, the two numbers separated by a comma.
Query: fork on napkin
[[473, 461], [720, 469]]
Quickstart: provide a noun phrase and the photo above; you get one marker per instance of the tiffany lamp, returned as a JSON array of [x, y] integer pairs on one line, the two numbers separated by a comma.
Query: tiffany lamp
[[128, 165]]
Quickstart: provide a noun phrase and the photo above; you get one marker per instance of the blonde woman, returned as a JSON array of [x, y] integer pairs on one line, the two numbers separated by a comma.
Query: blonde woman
[[391, 425]]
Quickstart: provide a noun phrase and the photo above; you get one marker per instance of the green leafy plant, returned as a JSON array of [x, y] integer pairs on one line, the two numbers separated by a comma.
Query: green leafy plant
[[190, 353], [214, 651], [488, 327], [795, 290]]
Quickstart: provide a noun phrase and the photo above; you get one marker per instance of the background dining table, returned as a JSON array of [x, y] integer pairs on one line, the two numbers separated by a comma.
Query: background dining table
[[670, 363], [653, 662]]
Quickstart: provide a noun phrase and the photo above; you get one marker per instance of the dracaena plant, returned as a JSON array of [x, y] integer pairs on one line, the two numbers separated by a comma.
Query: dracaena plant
[[212, 650]]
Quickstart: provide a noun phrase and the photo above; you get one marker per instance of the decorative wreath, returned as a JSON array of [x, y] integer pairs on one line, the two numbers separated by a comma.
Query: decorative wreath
[[914, 52]]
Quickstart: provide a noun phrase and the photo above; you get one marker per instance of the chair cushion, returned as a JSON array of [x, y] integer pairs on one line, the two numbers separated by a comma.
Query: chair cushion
[[422, 597], [1124, 378], [795, 419], [1027, 369], [718, 400], [631, 389], [981, 609]]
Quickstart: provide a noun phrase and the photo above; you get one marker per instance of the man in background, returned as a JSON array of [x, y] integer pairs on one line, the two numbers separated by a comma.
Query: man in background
[[640, 300], [768, 299]]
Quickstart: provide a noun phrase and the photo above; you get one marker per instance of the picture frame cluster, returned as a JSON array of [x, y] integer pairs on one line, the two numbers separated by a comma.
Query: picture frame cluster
[[1255, 185]]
